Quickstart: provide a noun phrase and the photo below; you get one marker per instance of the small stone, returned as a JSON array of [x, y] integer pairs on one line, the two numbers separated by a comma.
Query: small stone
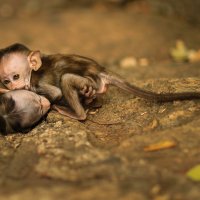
[[155, 190], [143, 62], [128, 62], [142, 162], [16, 145], [175, 115], [99, 134], [194, 56], [143, 113], [58, 124], [93, 112], [162, 110], [154, 123]]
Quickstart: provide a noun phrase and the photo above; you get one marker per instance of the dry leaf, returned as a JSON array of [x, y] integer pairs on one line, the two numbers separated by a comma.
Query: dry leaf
[[161, 145]]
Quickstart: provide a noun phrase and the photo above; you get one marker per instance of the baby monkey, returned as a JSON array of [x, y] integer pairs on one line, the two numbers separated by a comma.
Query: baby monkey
[[20, 110], [67, 77]]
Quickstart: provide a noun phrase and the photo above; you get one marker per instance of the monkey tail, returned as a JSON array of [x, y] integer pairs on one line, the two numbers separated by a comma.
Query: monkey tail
[[152, 96]]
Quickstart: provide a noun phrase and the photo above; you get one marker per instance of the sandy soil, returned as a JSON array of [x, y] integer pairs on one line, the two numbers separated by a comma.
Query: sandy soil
[[66, 159]]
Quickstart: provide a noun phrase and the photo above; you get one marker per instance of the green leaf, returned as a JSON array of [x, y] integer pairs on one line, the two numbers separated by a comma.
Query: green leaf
[[194, 173], [179, 52]]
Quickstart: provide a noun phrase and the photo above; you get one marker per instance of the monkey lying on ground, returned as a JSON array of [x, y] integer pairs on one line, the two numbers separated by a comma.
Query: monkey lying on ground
[[20, 110], [69, 77]]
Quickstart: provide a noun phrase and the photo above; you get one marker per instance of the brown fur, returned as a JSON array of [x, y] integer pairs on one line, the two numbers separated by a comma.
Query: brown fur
[[69, 76]]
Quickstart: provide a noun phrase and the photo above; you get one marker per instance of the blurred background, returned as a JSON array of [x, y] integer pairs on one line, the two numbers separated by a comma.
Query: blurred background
[[107, 30]]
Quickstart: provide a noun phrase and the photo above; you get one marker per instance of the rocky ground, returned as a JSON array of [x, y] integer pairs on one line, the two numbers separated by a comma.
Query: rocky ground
[[108, 156]]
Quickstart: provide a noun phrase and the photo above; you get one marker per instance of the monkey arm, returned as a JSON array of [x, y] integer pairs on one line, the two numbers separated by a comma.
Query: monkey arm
[[52, 93]]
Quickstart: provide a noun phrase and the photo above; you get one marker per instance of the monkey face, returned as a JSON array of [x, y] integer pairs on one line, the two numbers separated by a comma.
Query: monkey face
[[15, 71], [29, 105]]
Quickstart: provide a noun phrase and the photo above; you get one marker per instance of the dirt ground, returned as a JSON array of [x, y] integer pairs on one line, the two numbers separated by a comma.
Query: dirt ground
[[104, 157]]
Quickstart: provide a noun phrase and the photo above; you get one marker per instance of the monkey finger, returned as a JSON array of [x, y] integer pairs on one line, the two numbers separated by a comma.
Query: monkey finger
[[88, 93], [84, 90], [93, 94]]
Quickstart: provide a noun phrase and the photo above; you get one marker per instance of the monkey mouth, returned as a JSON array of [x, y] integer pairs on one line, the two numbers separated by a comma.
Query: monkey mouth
[[21, 88]]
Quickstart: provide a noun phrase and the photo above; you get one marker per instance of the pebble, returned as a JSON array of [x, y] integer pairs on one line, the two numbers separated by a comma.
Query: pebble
[[99, 134], [144, 62], [155, 189], [194, 56], [132, 62], [128, 62], [58, 124]]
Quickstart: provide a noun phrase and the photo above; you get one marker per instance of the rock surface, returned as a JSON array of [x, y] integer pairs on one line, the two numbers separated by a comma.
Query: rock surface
[[65, 159]]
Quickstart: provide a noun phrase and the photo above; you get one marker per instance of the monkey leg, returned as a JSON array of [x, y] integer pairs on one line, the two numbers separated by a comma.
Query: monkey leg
[[63, 110], [86, 87], [77, 111], [70, 85]]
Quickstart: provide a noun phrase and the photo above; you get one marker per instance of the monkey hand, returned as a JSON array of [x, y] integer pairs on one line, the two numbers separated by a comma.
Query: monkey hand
[[89, 92]]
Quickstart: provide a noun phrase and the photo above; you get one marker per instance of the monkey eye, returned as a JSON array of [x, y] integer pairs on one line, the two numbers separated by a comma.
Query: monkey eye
[[16, 77], [5, 82]]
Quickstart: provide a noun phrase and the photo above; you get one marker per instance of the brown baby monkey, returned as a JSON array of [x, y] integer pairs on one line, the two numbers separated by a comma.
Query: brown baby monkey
[[69, 77], [20, 110]]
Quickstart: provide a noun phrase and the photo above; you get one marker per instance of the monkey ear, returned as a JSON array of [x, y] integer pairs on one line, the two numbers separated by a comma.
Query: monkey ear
[[34, 59]]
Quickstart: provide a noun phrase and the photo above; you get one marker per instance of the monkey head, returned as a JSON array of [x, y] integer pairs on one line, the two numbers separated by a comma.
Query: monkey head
[[20, 110], [16, 64]]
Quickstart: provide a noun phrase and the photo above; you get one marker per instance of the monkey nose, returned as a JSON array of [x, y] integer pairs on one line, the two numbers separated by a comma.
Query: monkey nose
[[13, 87]]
